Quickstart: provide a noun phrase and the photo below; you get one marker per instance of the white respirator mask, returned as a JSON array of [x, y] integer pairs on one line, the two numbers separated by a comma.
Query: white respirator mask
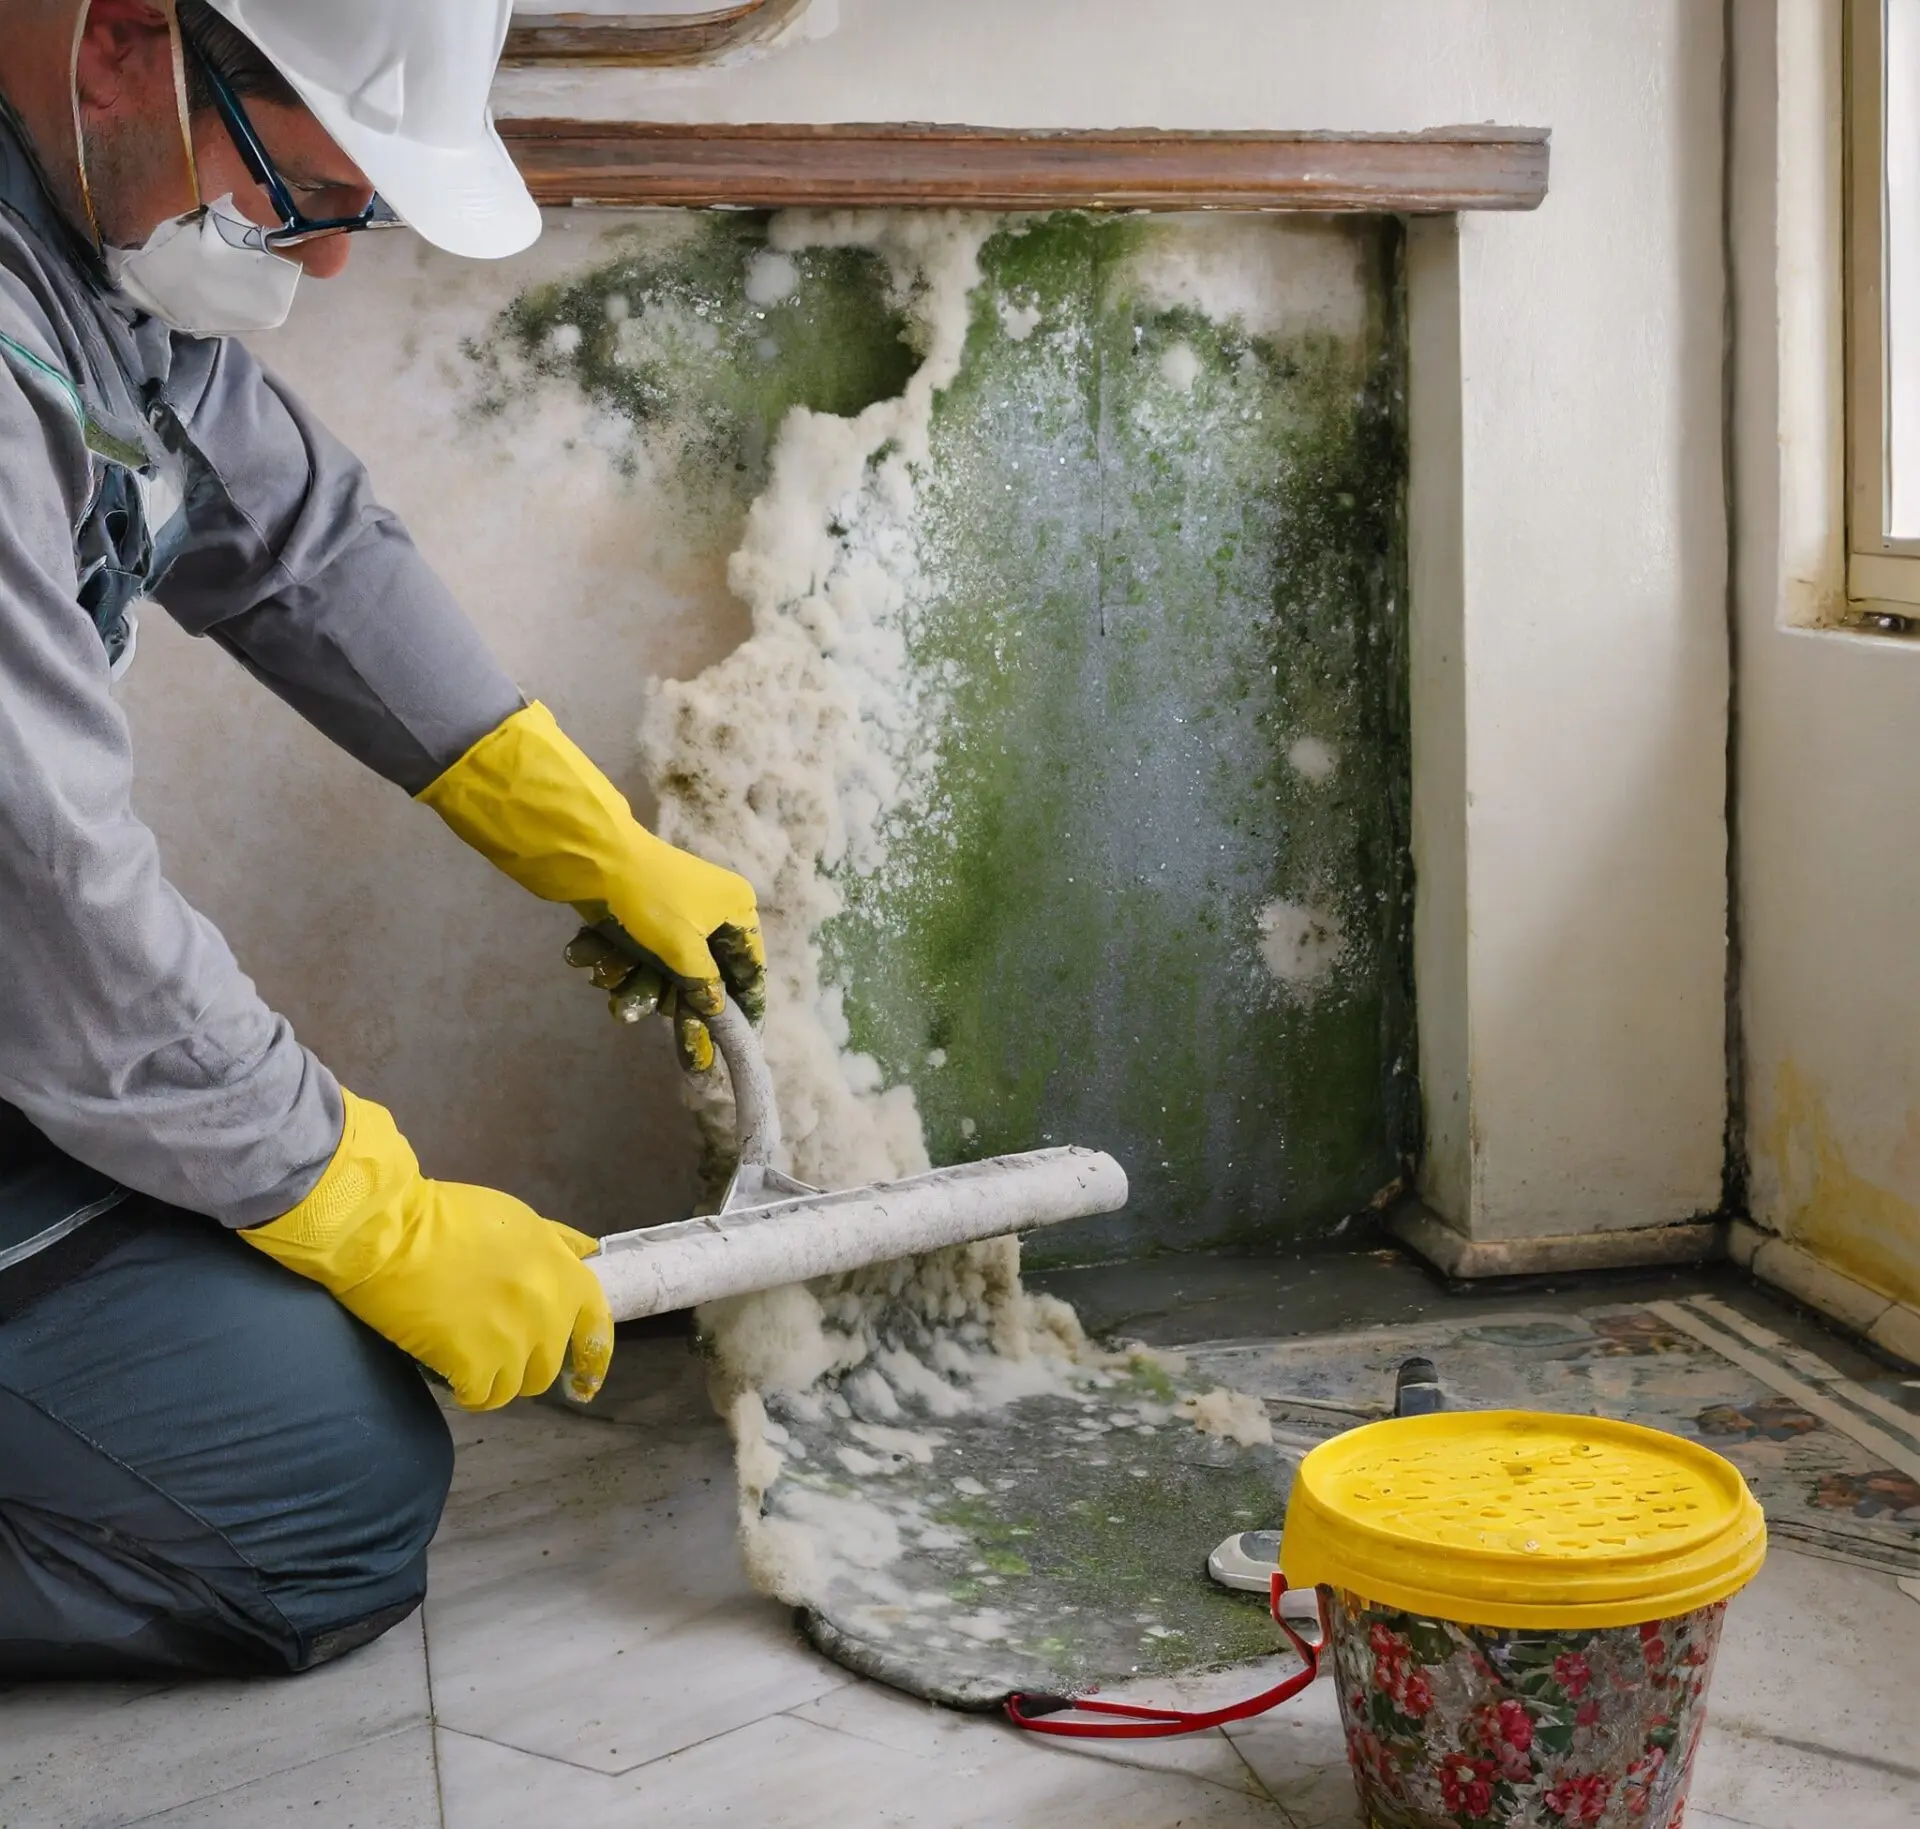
[[208, 273]]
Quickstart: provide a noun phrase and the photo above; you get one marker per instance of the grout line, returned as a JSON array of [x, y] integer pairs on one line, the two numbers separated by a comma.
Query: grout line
[[433, 1718], [1070, 1749], [1885, 1768], [847, 1733], [1089, 1750], [737, 1728], [640, 1765], [1855, 1393], [1864, 1434], [1266, 1790], [1264, 1795], [527, 1752], [299, 1765]]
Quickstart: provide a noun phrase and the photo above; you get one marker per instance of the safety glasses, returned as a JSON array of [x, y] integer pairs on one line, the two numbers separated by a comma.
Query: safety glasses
[[296, 225]]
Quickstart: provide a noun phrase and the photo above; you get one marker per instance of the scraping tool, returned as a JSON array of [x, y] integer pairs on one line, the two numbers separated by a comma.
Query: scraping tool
[[772, 1230]]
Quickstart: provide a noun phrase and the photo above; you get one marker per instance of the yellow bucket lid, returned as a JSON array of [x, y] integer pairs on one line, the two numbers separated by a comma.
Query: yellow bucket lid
[[1509, 1518]]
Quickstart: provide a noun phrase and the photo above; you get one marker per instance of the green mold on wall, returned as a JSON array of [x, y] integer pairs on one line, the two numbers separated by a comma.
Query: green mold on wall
[[666, 337], [1170, 602], [1156, 896]]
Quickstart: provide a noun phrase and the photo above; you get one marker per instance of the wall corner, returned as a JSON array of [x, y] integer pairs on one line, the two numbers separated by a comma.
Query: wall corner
[[1436, 576]]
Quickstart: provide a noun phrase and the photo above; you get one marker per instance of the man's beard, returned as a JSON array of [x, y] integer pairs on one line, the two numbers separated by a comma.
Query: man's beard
[[128, 162]]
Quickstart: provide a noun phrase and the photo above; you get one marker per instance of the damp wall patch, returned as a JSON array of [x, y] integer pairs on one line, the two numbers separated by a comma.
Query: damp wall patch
[[1068, 747]]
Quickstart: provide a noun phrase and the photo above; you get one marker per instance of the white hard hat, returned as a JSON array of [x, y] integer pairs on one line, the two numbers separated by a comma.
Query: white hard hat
[[401, 86]]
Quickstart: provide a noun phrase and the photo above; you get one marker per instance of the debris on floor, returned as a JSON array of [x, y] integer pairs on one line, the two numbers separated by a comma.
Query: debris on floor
[[967, 1497]]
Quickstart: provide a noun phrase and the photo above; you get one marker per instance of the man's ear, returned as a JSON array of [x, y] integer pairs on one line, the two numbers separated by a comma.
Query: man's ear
[[124, 46]]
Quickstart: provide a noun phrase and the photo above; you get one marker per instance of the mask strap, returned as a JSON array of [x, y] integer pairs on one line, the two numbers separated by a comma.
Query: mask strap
[[80, 18], [177, 45]]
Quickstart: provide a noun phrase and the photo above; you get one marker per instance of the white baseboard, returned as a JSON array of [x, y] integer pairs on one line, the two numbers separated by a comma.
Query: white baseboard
[[1892, 1326], [1452, 1252]]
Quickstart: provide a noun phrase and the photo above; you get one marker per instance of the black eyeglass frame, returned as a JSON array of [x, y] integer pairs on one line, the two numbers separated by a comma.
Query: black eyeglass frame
[[295, 224]]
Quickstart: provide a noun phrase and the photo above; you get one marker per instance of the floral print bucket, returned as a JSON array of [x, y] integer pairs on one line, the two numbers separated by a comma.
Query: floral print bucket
[[1453, 1726], [1521, 1612]]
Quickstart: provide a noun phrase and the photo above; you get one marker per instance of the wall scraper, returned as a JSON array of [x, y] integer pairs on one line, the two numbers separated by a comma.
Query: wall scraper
[[772, 1230]]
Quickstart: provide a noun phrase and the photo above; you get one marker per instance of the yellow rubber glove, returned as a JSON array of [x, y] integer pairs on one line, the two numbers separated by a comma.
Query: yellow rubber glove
[[471, 1282], [533, 805]]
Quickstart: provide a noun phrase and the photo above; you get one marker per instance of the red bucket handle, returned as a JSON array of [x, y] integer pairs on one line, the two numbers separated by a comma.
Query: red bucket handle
[[1139, 1722]]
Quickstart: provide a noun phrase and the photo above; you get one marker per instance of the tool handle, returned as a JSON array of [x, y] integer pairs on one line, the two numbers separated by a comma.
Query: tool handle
[[756, 1118]]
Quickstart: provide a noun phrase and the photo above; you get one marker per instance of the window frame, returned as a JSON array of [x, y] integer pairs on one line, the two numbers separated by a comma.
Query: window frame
[[702, 34], [1883, 573]]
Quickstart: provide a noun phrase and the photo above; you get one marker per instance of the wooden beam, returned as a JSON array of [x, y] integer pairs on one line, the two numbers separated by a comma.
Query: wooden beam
[[644, 38], [776, 166]]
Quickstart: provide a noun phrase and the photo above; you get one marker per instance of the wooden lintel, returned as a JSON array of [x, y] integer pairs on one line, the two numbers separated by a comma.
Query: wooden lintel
[[638, 163], [644, 38]]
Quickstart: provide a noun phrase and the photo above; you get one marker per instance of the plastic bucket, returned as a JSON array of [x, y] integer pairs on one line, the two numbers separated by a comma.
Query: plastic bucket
[[1523, 1612]]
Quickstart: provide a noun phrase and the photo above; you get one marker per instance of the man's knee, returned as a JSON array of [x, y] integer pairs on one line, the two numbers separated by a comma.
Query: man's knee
[[103, 1571], [265, 1472], [391, 1482], [365, 1569], [357, 1492]]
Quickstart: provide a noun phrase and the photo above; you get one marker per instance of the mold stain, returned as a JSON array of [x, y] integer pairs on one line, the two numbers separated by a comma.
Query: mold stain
[[1168, 606], [1863, 1230], [696, 340], [1161, 620]]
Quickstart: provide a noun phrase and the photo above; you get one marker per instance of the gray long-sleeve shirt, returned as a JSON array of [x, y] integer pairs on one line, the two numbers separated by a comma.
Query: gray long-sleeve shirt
[[129, 1035]]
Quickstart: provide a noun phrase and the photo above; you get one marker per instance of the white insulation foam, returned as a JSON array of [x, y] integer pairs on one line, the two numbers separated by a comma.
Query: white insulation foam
[[791, 760]]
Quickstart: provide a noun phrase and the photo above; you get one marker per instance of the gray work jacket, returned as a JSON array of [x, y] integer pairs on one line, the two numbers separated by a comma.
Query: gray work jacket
[[139, 463]]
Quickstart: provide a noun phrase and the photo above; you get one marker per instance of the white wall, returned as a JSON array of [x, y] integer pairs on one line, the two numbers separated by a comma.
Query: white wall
[[1572, 994], [1829, 723]]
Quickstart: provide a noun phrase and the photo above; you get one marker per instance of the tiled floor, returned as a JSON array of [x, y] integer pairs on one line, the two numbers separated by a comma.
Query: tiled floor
[[592, 1655]]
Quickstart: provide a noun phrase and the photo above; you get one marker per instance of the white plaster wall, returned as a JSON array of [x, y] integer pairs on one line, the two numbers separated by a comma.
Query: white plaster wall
[[1829, 722], [1581, 1071]]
